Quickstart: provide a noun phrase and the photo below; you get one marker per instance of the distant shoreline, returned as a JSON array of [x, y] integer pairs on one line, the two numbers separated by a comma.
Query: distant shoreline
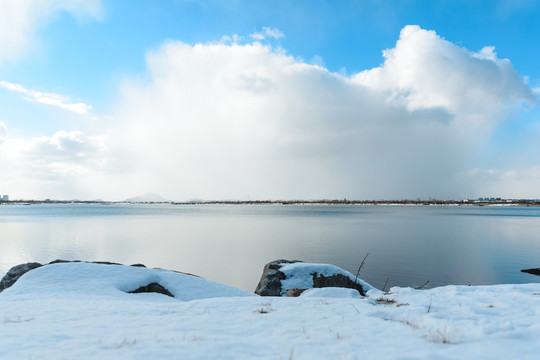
[[502, 202]]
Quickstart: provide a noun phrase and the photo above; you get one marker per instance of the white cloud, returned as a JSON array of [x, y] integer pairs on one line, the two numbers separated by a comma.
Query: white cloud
[[266, 33], [53, 99], [68, 146], [424, 71], [519, 183], [65, 165], [257, 36], [228, 121], [235, 38], [273, 33], [3, 133], [19, 20], [318, 60]]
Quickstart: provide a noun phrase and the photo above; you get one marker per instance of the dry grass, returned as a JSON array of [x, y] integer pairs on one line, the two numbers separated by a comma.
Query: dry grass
[[263, 310], [126, 342], [266, 307], [445, 337], [17, 320], [389, 301], [386, 301], [295, 292]]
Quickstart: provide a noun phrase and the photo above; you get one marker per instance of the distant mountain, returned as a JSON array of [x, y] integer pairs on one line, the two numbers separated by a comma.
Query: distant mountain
[[148, 197]]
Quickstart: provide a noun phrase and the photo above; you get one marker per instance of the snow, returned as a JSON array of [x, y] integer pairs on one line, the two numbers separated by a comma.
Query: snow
[[331, 292], [299, 275], [82, 311]]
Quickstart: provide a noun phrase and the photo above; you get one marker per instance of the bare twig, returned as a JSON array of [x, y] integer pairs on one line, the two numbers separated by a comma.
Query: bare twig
[[386, 283], [429, 307], [421, 286], [360, 268]]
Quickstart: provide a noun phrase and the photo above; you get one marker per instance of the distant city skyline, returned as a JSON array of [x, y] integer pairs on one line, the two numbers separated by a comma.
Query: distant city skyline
[[103, 99]]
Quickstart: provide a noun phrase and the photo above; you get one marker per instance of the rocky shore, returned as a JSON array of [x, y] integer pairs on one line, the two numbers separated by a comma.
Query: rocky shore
[[279, 277]]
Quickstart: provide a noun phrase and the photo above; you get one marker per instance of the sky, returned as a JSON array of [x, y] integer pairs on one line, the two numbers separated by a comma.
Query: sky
[[217, 100]]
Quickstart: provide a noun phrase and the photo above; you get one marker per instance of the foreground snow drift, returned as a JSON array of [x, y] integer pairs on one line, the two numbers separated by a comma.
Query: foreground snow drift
[[80, 310]]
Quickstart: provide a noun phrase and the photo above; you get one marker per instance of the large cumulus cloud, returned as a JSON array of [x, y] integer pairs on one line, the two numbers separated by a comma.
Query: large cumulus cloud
[[424, 71], [238, 120], [235, 120]]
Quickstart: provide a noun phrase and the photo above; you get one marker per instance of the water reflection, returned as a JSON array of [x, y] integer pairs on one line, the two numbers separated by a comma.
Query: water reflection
[[230, 244]]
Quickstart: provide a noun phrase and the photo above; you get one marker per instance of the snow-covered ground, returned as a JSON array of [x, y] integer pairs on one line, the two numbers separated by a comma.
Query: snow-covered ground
[[81, 311]]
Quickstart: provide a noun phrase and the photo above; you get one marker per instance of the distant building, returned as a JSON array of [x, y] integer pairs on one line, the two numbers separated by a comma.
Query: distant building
[[4, 198]]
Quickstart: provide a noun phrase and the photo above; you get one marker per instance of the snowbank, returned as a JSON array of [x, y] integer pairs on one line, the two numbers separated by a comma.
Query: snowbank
[[98, 281], [82, 311], [331, 292]]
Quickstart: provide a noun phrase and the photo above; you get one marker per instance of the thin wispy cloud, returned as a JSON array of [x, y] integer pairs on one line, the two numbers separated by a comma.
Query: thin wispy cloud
[[20, 20], [53, 99], [266, 33], [507, 8]]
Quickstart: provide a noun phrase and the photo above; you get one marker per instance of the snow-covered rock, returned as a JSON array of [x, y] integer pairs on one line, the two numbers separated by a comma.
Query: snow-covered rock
[[15, 273], [19, 270], [280, 276], [270, 282], [115, 281]]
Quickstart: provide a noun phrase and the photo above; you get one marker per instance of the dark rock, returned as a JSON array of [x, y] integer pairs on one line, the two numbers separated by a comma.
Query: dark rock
[[60, 261], [270, 283], [336, 280], [15, 273], [104, 263], [138, 265], [535, 271], [272, 277], [152, 288]]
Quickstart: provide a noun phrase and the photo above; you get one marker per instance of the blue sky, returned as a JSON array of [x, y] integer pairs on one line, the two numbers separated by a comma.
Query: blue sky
[[76, 120]]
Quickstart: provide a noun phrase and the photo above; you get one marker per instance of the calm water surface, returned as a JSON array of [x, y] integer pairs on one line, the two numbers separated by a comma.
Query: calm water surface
[[406, 244]]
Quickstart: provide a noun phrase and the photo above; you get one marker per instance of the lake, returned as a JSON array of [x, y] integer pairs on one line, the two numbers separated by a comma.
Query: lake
[[408, 245]]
